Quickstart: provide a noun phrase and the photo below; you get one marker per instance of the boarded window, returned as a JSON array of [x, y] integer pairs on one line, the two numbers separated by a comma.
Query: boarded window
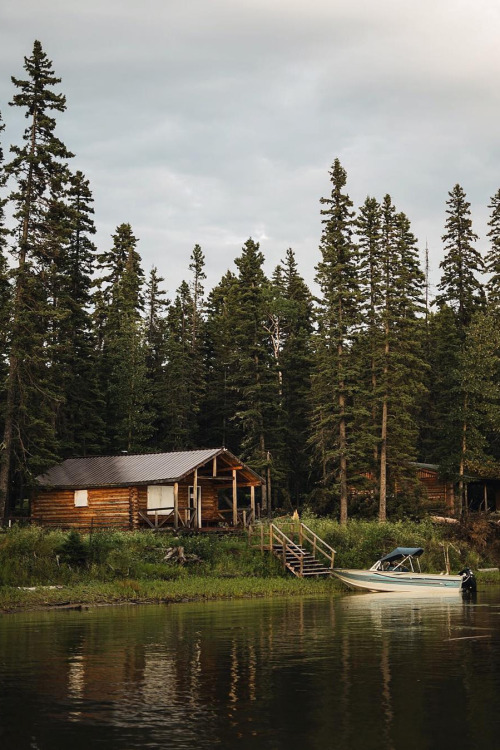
[[160, 499], [81, 498]]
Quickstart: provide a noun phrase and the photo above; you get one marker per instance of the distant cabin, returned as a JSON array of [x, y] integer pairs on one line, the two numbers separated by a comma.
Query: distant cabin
[[439, 495], [182, 489]]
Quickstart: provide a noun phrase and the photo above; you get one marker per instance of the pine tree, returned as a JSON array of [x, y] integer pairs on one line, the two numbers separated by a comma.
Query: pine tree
[[368, 342], [218, 426], [459, 285], [462, 291], [401, 358], [156, 348], [492, 260], [123, 368], [251, 372], [5, 288], [80, 424], [292, 325], [183, 393], [480, 368], [34, 168], [338, 321]]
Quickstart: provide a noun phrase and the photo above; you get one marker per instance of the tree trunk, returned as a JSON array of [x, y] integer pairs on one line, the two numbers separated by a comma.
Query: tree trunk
[[6, 446], [382, 511], [461, 470]]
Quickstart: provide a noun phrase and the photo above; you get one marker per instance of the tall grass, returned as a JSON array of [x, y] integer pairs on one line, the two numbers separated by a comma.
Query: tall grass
[[31, 556], [135, 561], [359, 544]]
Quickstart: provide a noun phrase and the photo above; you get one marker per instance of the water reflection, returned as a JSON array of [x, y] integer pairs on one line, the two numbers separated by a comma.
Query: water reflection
[[347, 672]]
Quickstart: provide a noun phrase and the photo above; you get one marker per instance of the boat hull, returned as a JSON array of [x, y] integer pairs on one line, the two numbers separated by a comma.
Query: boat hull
[[394, 581]]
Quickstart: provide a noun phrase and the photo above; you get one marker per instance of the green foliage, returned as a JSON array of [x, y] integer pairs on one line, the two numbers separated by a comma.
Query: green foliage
[[74, 551], [34, 556], [360, 543]]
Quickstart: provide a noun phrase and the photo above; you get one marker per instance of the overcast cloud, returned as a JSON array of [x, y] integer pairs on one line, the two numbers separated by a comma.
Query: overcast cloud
[[209, 121]]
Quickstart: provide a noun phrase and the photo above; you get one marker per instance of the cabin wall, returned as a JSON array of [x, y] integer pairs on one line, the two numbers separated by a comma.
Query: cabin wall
[[438, 493], [120, 507], [107, 507]]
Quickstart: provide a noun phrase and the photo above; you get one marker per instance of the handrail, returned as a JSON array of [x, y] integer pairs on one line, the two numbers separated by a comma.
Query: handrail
[[317, 539], [314, 540], [287, 544]]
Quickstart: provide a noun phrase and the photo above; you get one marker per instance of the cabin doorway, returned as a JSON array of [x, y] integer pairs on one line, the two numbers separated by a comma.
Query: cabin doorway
[[194, 506]]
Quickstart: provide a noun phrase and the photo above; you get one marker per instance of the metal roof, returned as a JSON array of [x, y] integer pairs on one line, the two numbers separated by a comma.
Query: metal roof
[[127, 469]]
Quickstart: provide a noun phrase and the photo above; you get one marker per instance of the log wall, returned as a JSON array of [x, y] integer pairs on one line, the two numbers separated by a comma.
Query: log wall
[[109, 507], [113, 507], [439, 493]]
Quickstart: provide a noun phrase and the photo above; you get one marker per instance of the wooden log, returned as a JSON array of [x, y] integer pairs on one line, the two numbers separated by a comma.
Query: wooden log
[[235, 499]]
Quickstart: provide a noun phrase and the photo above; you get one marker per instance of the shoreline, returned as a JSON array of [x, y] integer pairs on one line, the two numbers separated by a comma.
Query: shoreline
[[83, 596], [14, 600]]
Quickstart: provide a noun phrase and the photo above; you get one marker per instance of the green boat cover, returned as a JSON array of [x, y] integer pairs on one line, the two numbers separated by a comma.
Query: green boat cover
[[400, 552]]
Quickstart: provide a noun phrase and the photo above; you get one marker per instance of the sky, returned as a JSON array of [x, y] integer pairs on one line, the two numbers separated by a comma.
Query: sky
[[210, 121]]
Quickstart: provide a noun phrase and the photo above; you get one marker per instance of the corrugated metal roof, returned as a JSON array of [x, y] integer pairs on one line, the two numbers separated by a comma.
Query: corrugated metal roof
[[126, 469]]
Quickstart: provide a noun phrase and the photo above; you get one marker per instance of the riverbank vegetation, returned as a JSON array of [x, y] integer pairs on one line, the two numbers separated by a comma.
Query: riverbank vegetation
[[40, 567], [330, 396]]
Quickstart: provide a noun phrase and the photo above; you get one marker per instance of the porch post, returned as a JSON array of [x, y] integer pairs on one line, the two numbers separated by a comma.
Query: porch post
[[252, 502], [235, 499], [197, 517], [176, 505], [214, 466]]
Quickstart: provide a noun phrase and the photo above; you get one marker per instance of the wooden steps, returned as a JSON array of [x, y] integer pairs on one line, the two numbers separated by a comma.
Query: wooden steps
[[298, 549], [300, 562]]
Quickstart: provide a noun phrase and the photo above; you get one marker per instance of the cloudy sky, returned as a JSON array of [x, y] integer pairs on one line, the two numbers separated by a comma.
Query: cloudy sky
[[209, 121]]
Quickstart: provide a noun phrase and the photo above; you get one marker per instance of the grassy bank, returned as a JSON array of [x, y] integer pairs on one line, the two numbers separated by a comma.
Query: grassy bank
[[474, 543], [66, 568]]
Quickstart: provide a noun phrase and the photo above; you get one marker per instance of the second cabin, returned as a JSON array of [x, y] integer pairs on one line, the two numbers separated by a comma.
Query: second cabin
[[181, 489]]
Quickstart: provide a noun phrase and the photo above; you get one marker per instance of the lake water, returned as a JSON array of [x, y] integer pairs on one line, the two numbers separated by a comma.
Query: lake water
[[360, 671]]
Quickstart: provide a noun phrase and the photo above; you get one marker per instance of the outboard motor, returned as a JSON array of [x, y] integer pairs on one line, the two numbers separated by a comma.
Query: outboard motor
[[469, 584]]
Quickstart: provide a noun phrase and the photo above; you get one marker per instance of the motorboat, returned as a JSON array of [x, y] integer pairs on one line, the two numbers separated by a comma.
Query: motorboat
[[396, 572]]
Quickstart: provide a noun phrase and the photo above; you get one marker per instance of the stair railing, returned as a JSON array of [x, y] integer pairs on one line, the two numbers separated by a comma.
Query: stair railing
[[276, 534], [317, 543]]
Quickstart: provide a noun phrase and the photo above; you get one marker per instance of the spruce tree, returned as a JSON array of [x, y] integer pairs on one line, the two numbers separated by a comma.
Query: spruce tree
[[480, 368], [293, 326], [33, 169], [401, 355], [156, 307], [218, 426], [459, 286], [5, 288], [462, 291], [492, 260], [80, 424], [182, 402], [251, 372], [338, 320], [368, 342], [123, 368]]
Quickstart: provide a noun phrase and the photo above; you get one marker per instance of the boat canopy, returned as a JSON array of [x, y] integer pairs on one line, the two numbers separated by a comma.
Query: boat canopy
[[400, 552]]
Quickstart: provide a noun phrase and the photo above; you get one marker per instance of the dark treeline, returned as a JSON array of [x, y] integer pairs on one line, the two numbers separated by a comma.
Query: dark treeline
[[330, 398]]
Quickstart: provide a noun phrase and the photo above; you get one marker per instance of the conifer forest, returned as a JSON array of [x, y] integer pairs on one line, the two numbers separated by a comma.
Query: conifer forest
[[330, 395]]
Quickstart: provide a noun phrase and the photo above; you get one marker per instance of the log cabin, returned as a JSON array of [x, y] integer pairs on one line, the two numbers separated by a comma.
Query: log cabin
[[183, 489], [438, 495]]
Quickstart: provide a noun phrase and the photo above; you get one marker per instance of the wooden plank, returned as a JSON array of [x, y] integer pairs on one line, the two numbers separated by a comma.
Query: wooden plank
[[235, 499], [176, 505]]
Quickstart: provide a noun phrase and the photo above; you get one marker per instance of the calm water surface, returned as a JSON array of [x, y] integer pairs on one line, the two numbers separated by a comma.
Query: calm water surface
[[358, 671]]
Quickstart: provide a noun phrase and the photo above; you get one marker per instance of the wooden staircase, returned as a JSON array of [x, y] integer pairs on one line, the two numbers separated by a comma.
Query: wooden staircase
[[299, 557]]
